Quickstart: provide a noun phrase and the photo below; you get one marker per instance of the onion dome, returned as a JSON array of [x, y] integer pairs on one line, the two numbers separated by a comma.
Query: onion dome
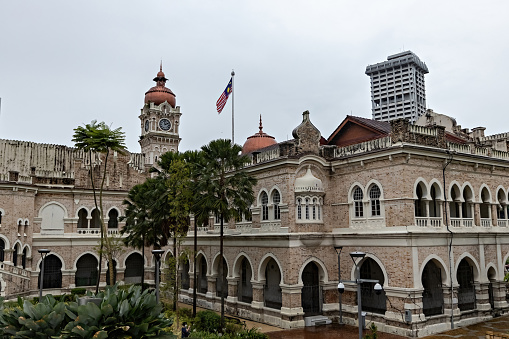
[[308, 183], [160, 93], [258, 141]]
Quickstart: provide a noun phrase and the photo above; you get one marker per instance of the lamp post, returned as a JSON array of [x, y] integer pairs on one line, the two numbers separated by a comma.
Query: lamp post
[[157, 254], [44, 252], [338, 251], [357, 257]]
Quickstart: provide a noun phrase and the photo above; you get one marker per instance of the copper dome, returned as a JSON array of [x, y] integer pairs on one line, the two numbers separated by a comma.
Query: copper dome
[[258, 141], [160, 93]]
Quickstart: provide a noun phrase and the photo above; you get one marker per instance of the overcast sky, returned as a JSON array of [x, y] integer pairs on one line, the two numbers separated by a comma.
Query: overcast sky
[[66, 63]]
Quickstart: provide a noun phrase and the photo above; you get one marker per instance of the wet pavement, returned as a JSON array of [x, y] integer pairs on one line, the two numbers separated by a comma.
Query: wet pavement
[[333, 331], [476, 331]]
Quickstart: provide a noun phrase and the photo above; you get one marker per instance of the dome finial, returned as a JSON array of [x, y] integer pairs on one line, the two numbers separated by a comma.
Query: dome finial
[[161, 66], [261, 127]]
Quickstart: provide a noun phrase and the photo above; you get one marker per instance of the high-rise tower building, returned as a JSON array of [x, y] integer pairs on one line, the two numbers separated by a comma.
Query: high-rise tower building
[[397, 87]]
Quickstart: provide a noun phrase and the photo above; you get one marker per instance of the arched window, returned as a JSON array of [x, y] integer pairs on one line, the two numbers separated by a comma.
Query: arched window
[[371, 302], [420, 207], [222, 272], [82, 218], [15, 255], [272, 296], [24, 258], [113, 219], [133, 269], [299, 209], [466, 289], [86, 270], [307, 208], [265, 208], [276, 200], [434, 208], [357, 200], [202, 277], [185, 274], [2, 248], [96, 219], [374, 198], [432, 296], [314, 208], [245, 287], [52, 272], [319, 208]]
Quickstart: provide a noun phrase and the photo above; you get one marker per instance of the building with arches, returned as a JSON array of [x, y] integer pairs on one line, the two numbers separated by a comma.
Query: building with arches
[[46, 201], [427, 203]]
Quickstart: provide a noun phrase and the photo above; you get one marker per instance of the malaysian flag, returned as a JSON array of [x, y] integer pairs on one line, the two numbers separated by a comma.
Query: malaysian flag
[[224, 97]]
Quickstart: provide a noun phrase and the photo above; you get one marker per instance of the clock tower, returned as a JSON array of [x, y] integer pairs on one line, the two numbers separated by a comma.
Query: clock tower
[[160, 118]]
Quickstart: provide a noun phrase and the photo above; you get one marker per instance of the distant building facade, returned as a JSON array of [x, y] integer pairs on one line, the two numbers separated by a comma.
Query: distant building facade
[[397, 87]]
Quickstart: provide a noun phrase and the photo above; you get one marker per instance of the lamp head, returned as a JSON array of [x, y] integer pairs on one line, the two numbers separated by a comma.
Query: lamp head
[[357, 255], [43, 251], [157, 252], [341, 287], [378, 289]]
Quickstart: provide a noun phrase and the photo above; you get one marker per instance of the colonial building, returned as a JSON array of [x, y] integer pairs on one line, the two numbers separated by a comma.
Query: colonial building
[[46, 201], [427, 203]]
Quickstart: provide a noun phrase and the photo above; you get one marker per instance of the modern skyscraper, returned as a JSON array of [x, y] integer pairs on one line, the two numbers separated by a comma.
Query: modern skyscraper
[[397, 87]]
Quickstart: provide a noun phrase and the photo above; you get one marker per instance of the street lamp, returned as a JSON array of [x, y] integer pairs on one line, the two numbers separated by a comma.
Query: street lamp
[[157, 254], [356, 258], [340, 284], [44, 252]]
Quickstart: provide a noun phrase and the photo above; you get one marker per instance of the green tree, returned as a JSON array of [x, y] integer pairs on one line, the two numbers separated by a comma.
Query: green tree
[[225, 188], [176, 207], [100, 139]]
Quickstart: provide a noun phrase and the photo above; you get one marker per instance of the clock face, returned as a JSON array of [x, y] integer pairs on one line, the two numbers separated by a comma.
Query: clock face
[[146, 125], [165, 124]]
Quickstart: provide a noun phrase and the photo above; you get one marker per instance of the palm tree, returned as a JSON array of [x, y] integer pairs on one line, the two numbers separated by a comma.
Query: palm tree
[[225, 188], [99, 138]]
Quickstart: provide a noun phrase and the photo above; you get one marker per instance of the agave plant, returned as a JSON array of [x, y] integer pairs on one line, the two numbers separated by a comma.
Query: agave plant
[[122, 314]]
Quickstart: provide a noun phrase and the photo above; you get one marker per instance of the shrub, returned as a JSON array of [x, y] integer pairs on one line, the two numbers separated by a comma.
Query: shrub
[[207, 321], [122, 314], [78, 291]]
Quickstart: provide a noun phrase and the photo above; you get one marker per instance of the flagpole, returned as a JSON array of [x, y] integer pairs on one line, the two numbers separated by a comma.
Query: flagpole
[[233, 125]]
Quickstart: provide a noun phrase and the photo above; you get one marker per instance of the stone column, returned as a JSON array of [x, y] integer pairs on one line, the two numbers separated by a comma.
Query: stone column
[[292, 313], [233, 289], [482, 299], [494, 214], [8, 252], [477, 214], [211, 286], [448, 308], [499, 294], [258, 301], [426, 203], [20, 259]]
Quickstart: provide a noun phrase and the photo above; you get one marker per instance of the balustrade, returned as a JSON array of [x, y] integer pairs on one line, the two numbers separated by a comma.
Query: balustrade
[[485, 222]]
